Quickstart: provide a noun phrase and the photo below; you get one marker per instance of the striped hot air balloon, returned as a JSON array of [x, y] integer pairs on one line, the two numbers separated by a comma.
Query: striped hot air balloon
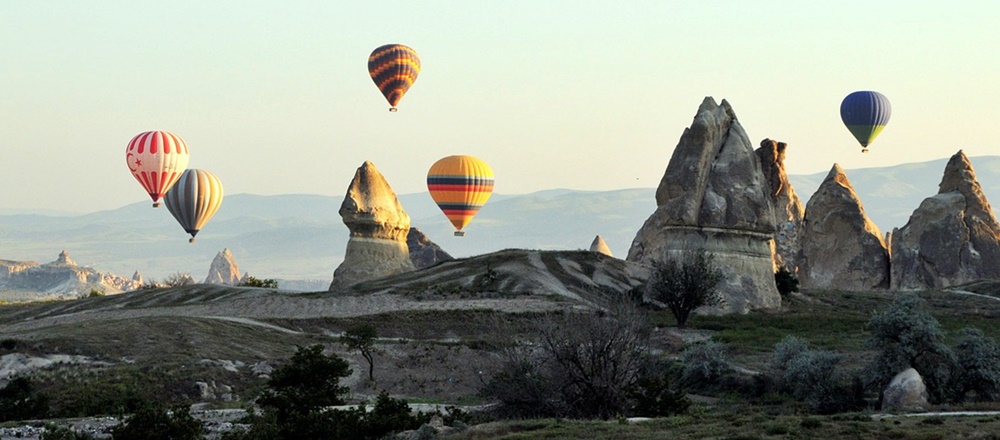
[[865, 114], [156, 159], [194, 200], [394, 68], [460, 185]]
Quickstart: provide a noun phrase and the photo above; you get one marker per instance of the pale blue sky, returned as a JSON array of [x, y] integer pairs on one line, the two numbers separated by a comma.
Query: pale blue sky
[[274, 97]]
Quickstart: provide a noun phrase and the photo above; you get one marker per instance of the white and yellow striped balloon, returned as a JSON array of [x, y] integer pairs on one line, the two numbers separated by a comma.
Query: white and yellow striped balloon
[[194, 199]]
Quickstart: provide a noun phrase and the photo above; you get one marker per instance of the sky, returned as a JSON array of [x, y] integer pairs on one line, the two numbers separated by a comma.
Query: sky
[[275, 98]]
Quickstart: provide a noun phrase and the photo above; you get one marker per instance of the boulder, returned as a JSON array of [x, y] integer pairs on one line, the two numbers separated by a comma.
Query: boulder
[[378, 226], [600, 246], [906, 392], [788, 209], [423, 251], [841, 247], [952, 238], [224, 269], [714, 196]]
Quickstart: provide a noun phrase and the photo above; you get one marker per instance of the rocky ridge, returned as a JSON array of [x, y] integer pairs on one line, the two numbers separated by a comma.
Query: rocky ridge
[[61, 278]]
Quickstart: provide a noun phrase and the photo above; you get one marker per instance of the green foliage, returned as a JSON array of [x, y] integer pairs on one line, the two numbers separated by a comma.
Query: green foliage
[[154, 422], [309, 382], [94, 293], [53, 432], [652, 396], [786, 281], [250, 281], [19, 401], [905, 335], [979, 357], [686, 285], [704, 363], [362, 337], [785, 351]]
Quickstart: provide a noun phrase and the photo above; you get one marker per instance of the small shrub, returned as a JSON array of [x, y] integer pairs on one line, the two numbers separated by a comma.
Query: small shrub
[[94, 293], [785, 351], [704, 363], [19, 401], [653, 397], [154, 422], [785, 281], [8, 344], [53, 432], [811, 423], [250, 281]]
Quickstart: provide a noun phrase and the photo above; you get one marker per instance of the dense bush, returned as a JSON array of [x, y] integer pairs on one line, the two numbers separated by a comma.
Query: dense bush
[[685, 285], [704, 364], [251, 281], [19, 401], [53, 432], [155, 422], [653, 396], [786, 281], [979, 357]]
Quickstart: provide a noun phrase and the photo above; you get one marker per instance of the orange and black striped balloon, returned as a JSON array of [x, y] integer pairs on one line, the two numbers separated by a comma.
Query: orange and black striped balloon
[[394, 68], [460, 185]]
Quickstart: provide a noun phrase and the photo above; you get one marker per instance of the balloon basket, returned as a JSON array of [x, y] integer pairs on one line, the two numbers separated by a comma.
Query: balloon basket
[[156, 204], [459, 234], [864, 150], [191, 240], [392, 109]]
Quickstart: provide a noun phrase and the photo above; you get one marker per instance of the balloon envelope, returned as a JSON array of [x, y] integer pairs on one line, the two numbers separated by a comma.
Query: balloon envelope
[[194, 199], [460, 185], [156, 159], [394, 68], [865, 114]]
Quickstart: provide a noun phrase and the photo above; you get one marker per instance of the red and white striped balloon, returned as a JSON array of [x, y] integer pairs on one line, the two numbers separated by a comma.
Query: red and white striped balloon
[[156, 159]]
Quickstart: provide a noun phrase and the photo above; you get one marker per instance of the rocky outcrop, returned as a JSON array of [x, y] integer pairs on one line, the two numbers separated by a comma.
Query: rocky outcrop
[[62, 277], [224, 269], [841, 247], [714, 196], [788, 209], [378, 225], [906, 392], [600, 246], [423, 251], [952, 238]]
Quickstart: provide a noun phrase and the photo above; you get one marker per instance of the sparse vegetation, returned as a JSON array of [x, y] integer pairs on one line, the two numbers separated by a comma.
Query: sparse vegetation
[[362, 338], [155, 422], [251, 281], [20, 401], [685, 285]]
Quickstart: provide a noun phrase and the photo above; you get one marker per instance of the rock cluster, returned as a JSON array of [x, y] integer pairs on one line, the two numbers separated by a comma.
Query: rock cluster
[[224, 269], [714, 196], [423, 251], [788, 209], [952, 238], [378, 226], [62, 277], [600, 246], [841, 247]]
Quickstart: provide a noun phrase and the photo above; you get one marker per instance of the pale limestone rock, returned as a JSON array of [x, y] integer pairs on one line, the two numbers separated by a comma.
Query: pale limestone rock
[[952, 238], [62, 277], [841, 247], [64, 259], [137, 278], [906, 392], [379, 226], [224, 269], [714, 196], [600, 246], [423, 251], [788, 209]]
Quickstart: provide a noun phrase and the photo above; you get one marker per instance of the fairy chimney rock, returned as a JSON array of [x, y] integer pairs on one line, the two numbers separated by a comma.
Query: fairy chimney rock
[[788, 209], [63, 258], [714, 196], [600, 246], [423, 251], [841, 247], [951, 238], [378, 226], [224, 269]]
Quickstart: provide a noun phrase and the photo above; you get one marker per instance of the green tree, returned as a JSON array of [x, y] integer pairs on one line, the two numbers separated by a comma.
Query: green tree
[[19, 401], [310, 382], [251, 281], [362, 338], [786, 281], [979, 356], [685, 285], [155, 422]]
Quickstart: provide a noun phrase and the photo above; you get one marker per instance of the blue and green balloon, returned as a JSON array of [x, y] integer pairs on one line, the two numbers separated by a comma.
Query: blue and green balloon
[[865, 114]]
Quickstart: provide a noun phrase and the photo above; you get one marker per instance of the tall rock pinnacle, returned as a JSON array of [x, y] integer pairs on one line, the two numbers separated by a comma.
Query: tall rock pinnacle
[[788, 209], [224, 269]]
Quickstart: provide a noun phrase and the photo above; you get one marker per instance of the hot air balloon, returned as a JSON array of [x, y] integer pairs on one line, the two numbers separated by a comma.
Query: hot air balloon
[[460, 185], [194, 199], [394, 68], [156, 159], [865, 114]]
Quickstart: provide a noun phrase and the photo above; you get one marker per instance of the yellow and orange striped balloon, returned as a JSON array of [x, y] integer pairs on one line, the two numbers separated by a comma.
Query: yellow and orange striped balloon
[[394, 68], [460, 185], [194, 199]]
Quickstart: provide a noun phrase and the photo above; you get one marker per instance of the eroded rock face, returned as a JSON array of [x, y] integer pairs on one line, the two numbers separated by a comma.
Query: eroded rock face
[[906, 392], [714, 196], [378, 225], [224, 269], [62, 277], [788, 209], [952, 238], [600, 246], [423, 251], [841, 247]]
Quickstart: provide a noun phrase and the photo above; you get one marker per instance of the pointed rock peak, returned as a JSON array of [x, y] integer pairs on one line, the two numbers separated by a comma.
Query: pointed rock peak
[[64, 258], [137, 277], [958, 173], [600, 246], [224, 269], [369, 191], [838, 175]]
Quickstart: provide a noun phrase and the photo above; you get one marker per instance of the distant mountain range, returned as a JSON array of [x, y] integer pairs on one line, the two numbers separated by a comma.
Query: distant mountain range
[[301, 236]]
